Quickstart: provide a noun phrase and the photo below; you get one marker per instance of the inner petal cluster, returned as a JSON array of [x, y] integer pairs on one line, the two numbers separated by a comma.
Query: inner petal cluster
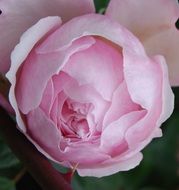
[[74, 122]]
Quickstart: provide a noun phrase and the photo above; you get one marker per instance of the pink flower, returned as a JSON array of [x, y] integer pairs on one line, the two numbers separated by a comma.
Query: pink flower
[[84, 91], [153, 22]]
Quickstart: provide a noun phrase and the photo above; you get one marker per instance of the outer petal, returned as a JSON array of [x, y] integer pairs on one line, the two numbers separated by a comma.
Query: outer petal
[[112, 167], [113, 136], [142, 132], [144, 79], [18, 15], [37, 123], [20, 53], [168, 96], [92, 24], [157, 30], [166, 43]]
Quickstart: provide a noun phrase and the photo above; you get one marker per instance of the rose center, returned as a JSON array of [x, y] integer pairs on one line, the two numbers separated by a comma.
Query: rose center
[[74, 122]]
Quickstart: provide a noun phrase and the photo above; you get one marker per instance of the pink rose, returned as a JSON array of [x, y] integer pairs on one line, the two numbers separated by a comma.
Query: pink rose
[[85, 93], [153, 22]]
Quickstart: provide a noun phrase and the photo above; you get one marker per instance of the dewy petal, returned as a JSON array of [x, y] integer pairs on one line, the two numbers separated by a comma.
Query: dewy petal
[[100, 66], [110, 167], [157, 31], [18, 16], [28, 40]]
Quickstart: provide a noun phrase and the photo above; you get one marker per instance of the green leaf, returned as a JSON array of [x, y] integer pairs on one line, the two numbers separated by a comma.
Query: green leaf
[[101, 5], [6, 184], [7, 158], [59, 168]]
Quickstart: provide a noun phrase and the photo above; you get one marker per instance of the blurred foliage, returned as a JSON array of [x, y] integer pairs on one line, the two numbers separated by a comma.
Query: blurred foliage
[[159, 170], [9, 167], [101, 5], [6, 184]]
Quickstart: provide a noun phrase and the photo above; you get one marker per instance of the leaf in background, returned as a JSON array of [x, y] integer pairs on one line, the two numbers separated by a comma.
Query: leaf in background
[[101, 5], [59, 168], [7, 158], [6, 184]]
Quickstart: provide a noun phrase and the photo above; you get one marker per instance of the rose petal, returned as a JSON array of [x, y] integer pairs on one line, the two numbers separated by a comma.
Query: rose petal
[[87, 94], [44, 132], [129, 13], [114, 134], [110, 168], [166, 43], [80, 154], [21, 51], [168, 96], [157, 30], [31, 85], [47, 99], [18, 16], [144, 79], [121, 104], [92, 24], [99, 57]]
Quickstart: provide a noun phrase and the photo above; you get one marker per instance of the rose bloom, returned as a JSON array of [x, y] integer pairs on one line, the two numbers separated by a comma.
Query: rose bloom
[[84, 91]]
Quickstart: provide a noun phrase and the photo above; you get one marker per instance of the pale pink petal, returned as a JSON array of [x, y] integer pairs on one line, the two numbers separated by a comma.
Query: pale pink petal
[[48, 97], [28, 40], [168, 96], [18, 16], [113, 136], [55, 112], [80, 154], [144, 79], [92, 24], [156, 86], [121, 104], [166, 43], [31, 84], [44, 132], [60, 81], [141, 130], [156, 29], [144, 18], [110, 168], [87, 94], [100, 66]]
